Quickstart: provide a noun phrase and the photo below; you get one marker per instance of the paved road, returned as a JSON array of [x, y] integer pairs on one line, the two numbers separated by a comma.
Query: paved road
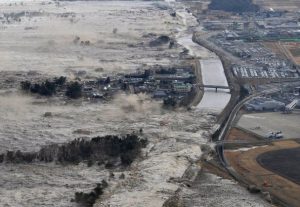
[[228, 125], [272, 88]]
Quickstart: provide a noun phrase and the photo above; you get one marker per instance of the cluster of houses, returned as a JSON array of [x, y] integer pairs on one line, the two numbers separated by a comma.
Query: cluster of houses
[[159, 83]]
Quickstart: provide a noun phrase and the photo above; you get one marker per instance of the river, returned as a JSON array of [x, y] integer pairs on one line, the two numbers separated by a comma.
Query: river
[[211, 66]]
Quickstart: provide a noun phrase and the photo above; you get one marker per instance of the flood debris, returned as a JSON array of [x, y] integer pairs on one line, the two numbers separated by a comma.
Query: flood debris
[[47, 114], [174, 201], [82, 131], [173, 13], [161, 40], [253, 189]]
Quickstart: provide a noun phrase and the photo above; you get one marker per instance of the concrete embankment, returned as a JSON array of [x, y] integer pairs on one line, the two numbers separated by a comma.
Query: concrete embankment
[[199, 92], [235, 92], [212, 73]]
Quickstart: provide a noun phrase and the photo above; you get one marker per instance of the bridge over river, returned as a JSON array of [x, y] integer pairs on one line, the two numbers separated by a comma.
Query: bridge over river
[[216, 87]]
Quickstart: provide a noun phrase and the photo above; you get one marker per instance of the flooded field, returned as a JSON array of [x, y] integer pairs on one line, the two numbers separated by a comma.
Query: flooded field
[[175, 138], [46, 36], [45, 185], [48, 48], [93, 38]]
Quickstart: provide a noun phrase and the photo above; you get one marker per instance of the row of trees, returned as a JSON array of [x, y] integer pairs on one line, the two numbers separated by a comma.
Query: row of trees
[[105, 149], [89, 199], [50, 87], [74, 90]]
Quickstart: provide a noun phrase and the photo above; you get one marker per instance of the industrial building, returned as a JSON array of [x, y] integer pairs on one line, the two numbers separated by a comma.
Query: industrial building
[[264, 104]]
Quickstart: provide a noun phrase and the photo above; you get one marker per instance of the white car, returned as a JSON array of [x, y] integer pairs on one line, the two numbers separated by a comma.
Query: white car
[[275, 135]]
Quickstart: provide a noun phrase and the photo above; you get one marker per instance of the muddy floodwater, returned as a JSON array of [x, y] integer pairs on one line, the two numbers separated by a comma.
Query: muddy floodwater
[[87, 39], [44, 37]]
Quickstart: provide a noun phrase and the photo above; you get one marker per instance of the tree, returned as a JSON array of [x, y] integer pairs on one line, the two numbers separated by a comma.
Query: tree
[[35, 88], [47, 88], [74, 90], [107, 81], [60, 81], [170, 102], [25, 85]]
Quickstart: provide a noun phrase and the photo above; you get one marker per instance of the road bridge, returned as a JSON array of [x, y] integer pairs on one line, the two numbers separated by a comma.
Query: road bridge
[[214, 86]]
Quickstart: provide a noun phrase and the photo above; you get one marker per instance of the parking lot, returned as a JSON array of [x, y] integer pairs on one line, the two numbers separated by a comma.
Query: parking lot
[[264, 123]]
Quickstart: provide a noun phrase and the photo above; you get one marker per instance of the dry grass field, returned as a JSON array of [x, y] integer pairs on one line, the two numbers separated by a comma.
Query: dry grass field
[[237, 134], [294, 49], [290, 50], [244, 162]]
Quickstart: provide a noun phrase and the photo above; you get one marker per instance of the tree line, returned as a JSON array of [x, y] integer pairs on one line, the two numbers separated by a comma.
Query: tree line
[[50, 87], [108, 150]]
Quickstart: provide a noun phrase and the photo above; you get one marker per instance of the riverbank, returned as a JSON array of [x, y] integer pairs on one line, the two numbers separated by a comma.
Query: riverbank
[[193, 193], [235, 92], [212, 73]]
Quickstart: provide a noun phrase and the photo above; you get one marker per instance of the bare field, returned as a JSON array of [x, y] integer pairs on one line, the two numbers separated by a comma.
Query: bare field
[[245, 164], [236, 134], [263, 123], [277, 48], [294, 51], [289, 50]]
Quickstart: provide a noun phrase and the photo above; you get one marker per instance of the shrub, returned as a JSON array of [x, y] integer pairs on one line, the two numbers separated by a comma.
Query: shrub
[[170, 102], [25, 85], [74, 90], [89, 199], [35, 88], [47, 88], [60, 81]]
